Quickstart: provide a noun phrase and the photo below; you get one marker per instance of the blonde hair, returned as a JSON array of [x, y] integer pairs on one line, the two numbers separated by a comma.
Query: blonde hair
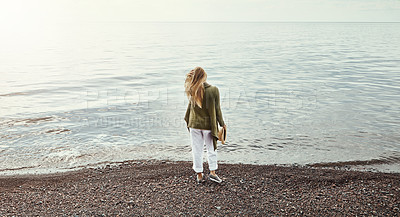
[[194, 85]]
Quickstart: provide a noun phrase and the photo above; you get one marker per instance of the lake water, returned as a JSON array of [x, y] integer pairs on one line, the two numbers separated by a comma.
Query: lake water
[[79, 95]]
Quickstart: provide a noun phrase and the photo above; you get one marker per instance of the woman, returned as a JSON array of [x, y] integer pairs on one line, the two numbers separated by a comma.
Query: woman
[[202, 114]]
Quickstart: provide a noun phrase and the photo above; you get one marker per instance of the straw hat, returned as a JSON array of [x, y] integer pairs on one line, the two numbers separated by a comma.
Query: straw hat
[[222, 135]]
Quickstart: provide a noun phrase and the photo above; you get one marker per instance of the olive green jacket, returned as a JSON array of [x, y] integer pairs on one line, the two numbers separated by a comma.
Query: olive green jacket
[[206, 117]]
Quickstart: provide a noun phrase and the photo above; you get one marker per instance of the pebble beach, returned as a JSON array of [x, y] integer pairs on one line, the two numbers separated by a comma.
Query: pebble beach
[[168, 188]]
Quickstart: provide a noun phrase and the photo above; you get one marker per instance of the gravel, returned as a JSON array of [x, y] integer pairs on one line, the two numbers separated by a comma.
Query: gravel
[[170, 189]]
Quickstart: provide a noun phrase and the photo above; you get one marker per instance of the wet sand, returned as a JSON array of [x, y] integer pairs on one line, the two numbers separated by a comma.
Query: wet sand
[[169, 188]]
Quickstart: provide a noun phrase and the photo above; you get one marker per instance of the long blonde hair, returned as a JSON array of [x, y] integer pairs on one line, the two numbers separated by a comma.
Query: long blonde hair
[[194, 85]]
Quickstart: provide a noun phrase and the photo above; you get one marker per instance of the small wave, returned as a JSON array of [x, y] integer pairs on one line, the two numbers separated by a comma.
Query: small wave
[[14, 94], [30, 92], [19, 168], [57, 131], [25, 121], [36, 120], [384, 160], [127, 78]]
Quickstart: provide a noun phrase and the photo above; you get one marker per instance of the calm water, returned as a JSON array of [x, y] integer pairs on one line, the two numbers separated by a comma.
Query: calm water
[[77, 95]]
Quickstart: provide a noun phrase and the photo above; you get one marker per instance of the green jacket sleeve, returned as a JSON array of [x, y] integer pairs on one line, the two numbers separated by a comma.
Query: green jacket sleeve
[[213, 119], [218, 112], [187, 115]]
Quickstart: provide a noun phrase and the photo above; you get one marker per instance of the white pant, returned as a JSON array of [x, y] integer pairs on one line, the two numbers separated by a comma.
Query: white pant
[[199, 138]]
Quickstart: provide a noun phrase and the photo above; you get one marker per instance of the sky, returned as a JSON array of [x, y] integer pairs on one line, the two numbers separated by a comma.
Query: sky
[[40, 11]]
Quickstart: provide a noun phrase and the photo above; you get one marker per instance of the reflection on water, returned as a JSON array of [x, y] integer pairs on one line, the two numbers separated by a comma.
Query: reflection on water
[[291, 93]]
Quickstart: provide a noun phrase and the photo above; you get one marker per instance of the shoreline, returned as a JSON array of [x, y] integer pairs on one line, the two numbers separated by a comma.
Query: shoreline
[[373, 165], [155, 187]]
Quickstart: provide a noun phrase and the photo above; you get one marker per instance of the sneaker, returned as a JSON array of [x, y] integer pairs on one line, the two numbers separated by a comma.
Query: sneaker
[[203, 179], [215, 178]]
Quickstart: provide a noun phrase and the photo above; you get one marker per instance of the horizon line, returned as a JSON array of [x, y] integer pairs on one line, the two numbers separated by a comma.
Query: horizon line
[[131, 21]]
